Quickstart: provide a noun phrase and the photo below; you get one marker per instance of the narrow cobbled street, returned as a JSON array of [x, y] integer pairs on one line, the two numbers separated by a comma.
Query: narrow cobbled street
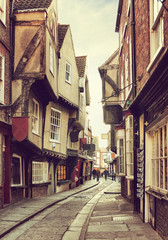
[[99, 212]]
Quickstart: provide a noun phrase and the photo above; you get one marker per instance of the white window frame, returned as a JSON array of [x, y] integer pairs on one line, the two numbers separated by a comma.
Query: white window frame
[[127, 87], [129, 6], [55, 125], [130, 62], [159, 158], [35, 117], [3, 11], [129, 146], [2, 78], [20, 170], [121, 162], [68, 72], [122, 89], [156, 31], [39, 172], [51, 53]]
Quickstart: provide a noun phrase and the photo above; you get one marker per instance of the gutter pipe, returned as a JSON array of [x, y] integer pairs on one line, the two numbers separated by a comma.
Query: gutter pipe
[[11, 48], [134, 95]]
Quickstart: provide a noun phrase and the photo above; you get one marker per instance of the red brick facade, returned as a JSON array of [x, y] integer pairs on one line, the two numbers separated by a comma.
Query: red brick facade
[[5, 120]]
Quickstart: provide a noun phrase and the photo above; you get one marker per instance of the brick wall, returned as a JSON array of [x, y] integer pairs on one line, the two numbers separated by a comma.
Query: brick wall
[[142, 33], [39, 191], [124, 189], [16, 194], [161, 218]]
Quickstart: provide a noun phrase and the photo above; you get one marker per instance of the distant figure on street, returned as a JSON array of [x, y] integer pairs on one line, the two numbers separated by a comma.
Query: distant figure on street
[[98, 174], [113, 175], [94, 173], [106, 173]]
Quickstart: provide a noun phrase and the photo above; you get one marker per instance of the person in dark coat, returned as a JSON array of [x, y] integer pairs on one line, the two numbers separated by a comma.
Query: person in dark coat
[[98, 174], [94, 173], [113, 175], [106, 173]]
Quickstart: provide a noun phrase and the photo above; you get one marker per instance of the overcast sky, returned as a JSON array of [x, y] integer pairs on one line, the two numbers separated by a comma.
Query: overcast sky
[[92, 24]]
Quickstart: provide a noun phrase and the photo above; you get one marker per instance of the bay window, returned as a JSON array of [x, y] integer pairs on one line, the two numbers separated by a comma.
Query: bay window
[[129, 146], [120, 152], [160, 158], [39, 172]]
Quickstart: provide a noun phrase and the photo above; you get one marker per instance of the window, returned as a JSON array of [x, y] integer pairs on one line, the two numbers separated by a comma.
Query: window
[[129, 145], [16, 170], [68, 73], [156, 25], [51, 50], [130, 61], [129, 5], [2, 76], [3, 11], [160, 158], [120, 151], [61, 173], [81, 102], [127, 86], [35, 117], [39, 172], [122, 89], [55, 125]]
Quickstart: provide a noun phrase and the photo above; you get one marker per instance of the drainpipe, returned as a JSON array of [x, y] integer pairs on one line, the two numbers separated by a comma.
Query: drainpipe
[[144, 172], [134, 95], [11, 48]]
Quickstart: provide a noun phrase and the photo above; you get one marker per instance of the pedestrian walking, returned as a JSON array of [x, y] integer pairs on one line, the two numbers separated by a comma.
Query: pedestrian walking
[[94, 173], [106, 173], [98, 174], [113, 175]]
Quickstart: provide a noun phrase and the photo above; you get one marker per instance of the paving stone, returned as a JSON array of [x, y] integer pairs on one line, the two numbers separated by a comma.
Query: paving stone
[[108, 228]]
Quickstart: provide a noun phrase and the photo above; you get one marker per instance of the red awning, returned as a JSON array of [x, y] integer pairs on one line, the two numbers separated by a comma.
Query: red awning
[[20, 128]]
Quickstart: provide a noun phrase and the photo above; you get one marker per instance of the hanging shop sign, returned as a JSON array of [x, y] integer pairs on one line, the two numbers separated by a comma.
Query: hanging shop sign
[[20, 127]]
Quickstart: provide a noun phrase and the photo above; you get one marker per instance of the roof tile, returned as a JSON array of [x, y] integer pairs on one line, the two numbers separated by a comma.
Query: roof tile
[[62, 29], [81, 65], [31, 4]]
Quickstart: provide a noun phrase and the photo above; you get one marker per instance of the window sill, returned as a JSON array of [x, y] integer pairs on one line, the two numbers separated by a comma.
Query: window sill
[[121, 175], [18, 186], [3, 23], [130, 177], [63, 182], [54, 141], [37, 134], [158, 193], [40, 184], [68, 82]]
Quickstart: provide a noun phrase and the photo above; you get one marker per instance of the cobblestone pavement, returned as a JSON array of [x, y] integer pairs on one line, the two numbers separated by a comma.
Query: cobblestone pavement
[[96, 214], [112, 218], [54, 221]]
